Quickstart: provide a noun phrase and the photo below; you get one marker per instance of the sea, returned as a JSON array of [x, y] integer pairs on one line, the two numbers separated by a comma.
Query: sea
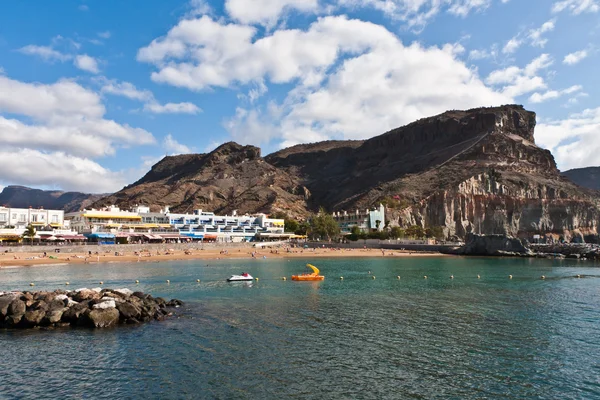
[[384, 331]]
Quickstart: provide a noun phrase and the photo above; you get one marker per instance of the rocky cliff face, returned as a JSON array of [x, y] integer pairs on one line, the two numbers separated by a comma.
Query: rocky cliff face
[[585, 177], [23, 197], [468, 171]]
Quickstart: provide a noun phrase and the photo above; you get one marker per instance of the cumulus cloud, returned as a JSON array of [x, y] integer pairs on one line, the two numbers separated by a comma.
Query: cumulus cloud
[[576, 7], [553, 94], [574, 140], [265, 12], [60, 121], [514, 81], [128, 90], [174, 147], [35, 168], [86, 63], [575, 57]]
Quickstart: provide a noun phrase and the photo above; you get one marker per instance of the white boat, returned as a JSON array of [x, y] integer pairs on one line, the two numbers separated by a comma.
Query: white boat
[[240, 278]]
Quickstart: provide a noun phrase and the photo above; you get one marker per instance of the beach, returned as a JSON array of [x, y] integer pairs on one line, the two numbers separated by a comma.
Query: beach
[[10, 259]]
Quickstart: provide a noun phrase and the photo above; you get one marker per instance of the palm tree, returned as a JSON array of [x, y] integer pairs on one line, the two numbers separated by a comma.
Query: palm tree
[[29, 233]]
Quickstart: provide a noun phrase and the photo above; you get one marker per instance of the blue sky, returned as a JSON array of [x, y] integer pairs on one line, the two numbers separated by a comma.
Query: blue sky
[[92, 93]]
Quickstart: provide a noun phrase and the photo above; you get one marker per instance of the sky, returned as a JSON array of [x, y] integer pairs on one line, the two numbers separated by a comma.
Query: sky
[[93, 93]]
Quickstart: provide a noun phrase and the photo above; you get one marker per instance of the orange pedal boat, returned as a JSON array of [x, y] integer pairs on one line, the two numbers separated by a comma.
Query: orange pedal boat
[[309, 277]]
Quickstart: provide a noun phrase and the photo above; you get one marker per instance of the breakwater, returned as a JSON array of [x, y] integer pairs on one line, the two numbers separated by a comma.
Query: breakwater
[[93, 308]]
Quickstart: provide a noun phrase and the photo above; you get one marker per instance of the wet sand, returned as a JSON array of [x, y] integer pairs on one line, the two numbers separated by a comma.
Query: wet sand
[[8, 260]]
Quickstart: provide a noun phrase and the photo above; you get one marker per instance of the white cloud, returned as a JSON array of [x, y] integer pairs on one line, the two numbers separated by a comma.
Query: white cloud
[[34, 168], [104, 35], [214, 54], [574, 58], [574, 140], [47, 53], [174, 147], [172, 108], [553, 94], [536, 35], [125, 89], [417, 13], [576, 7], [265, 12], [86, 63], [512, 45], [59, 121], [515, 81], [83, 7], [366, 96], [128, 90]]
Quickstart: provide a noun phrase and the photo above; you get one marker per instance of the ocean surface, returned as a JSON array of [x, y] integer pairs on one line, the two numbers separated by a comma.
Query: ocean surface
[[357, 338]]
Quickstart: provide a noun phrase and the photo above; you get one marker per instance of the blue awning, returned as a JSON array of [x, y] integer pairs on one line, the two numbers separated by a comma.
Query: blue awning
[[192, 234], [100, 235]]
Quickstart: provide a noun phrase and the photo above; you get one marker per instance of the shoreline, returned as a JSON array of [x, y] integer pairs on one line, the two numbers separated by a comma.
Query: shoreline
[[16, 260]]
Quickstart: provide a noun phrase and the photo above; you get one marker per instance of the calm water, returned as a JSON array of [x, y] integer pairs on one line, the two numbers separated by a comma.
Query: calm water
[[357, 338]]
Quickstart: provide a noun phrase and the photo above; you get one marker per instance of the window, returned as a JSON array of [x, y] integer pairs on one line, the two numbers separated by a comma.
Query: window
[[55, 219], [14, 216], [22, 218], [34, 218], [3, 217]]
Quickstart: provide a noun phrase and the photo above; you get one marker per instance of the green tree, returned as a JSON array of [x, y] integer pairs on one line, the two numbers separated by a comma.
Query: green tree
[[397, 232], [415, 231], [355, 233], [436, 232], [303, 228], [324, 225], [290, 224], [29, 233], [377, 224]]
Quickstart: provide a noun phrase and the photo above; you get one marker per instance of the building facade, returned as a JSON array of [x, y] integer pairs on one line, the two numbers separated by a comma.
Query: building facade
[[22, 217], [367, 220]]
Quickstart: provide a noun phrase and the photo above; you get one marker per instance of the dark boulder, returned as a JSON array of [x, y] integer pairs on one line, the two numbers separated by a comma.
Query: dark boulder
[[128, 311], [103, 318], [16, 307], [32, 318]]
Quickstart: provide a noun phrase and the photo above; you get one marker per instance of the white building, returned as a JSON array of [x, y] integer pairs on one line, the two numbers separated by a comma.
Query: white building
[[22, 217], [366, 221]]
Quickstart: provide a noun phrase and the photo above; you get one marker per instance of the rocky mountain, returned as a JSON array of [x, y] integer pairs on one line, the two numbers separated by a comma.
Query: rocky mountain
[[232, 177], [23, 197], [468, 171], [586, 177]]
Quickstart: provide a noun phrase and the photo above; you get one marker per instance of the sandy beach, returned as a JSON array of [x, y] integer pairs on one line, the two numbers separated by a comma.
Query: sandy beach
[[8, 260]]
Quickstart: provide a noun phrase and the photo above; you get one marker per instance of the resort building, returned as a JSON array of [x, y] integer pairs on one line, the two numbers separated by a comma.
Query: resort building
[[367, 220], [22, 217], [111, 224], [49, 225]]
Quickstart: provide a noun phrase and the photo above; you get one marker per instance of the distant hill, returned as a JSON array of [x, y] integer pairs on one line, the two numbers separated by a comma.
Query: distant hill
[[23, 197], [587, 177]]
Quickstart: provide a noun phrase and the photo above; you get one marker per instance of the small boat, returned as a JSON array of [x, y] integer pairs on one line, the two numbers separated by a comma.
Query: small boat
[[240, 278], [314, 276]]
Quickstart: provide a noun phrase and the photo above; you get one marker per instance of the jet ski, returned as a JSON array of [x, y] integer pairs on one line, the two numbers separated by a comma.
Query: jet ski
[[240, 278]]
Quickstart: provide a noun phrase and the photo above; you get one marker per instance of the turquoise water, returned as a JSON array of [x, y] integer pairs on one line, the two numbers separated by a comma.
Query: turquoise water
[[357, 338]]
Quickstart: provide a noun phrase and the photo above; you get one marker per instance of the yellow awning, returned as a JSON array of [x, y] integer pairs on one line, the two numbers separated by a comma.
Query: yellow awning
[[112, 216], [278, 223], [56, 225], [164, 225], [112, 225]]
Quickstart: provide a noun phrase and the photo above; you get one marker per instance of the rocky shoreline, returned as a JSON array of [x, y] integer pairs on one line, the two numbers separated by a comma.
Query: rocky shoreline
[[91, 308], [507, 246]]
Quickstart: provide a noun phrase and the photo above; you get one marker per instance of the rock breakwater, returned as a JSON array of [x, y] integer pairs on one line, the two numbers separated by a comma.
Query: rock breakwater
[[92, 308]]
